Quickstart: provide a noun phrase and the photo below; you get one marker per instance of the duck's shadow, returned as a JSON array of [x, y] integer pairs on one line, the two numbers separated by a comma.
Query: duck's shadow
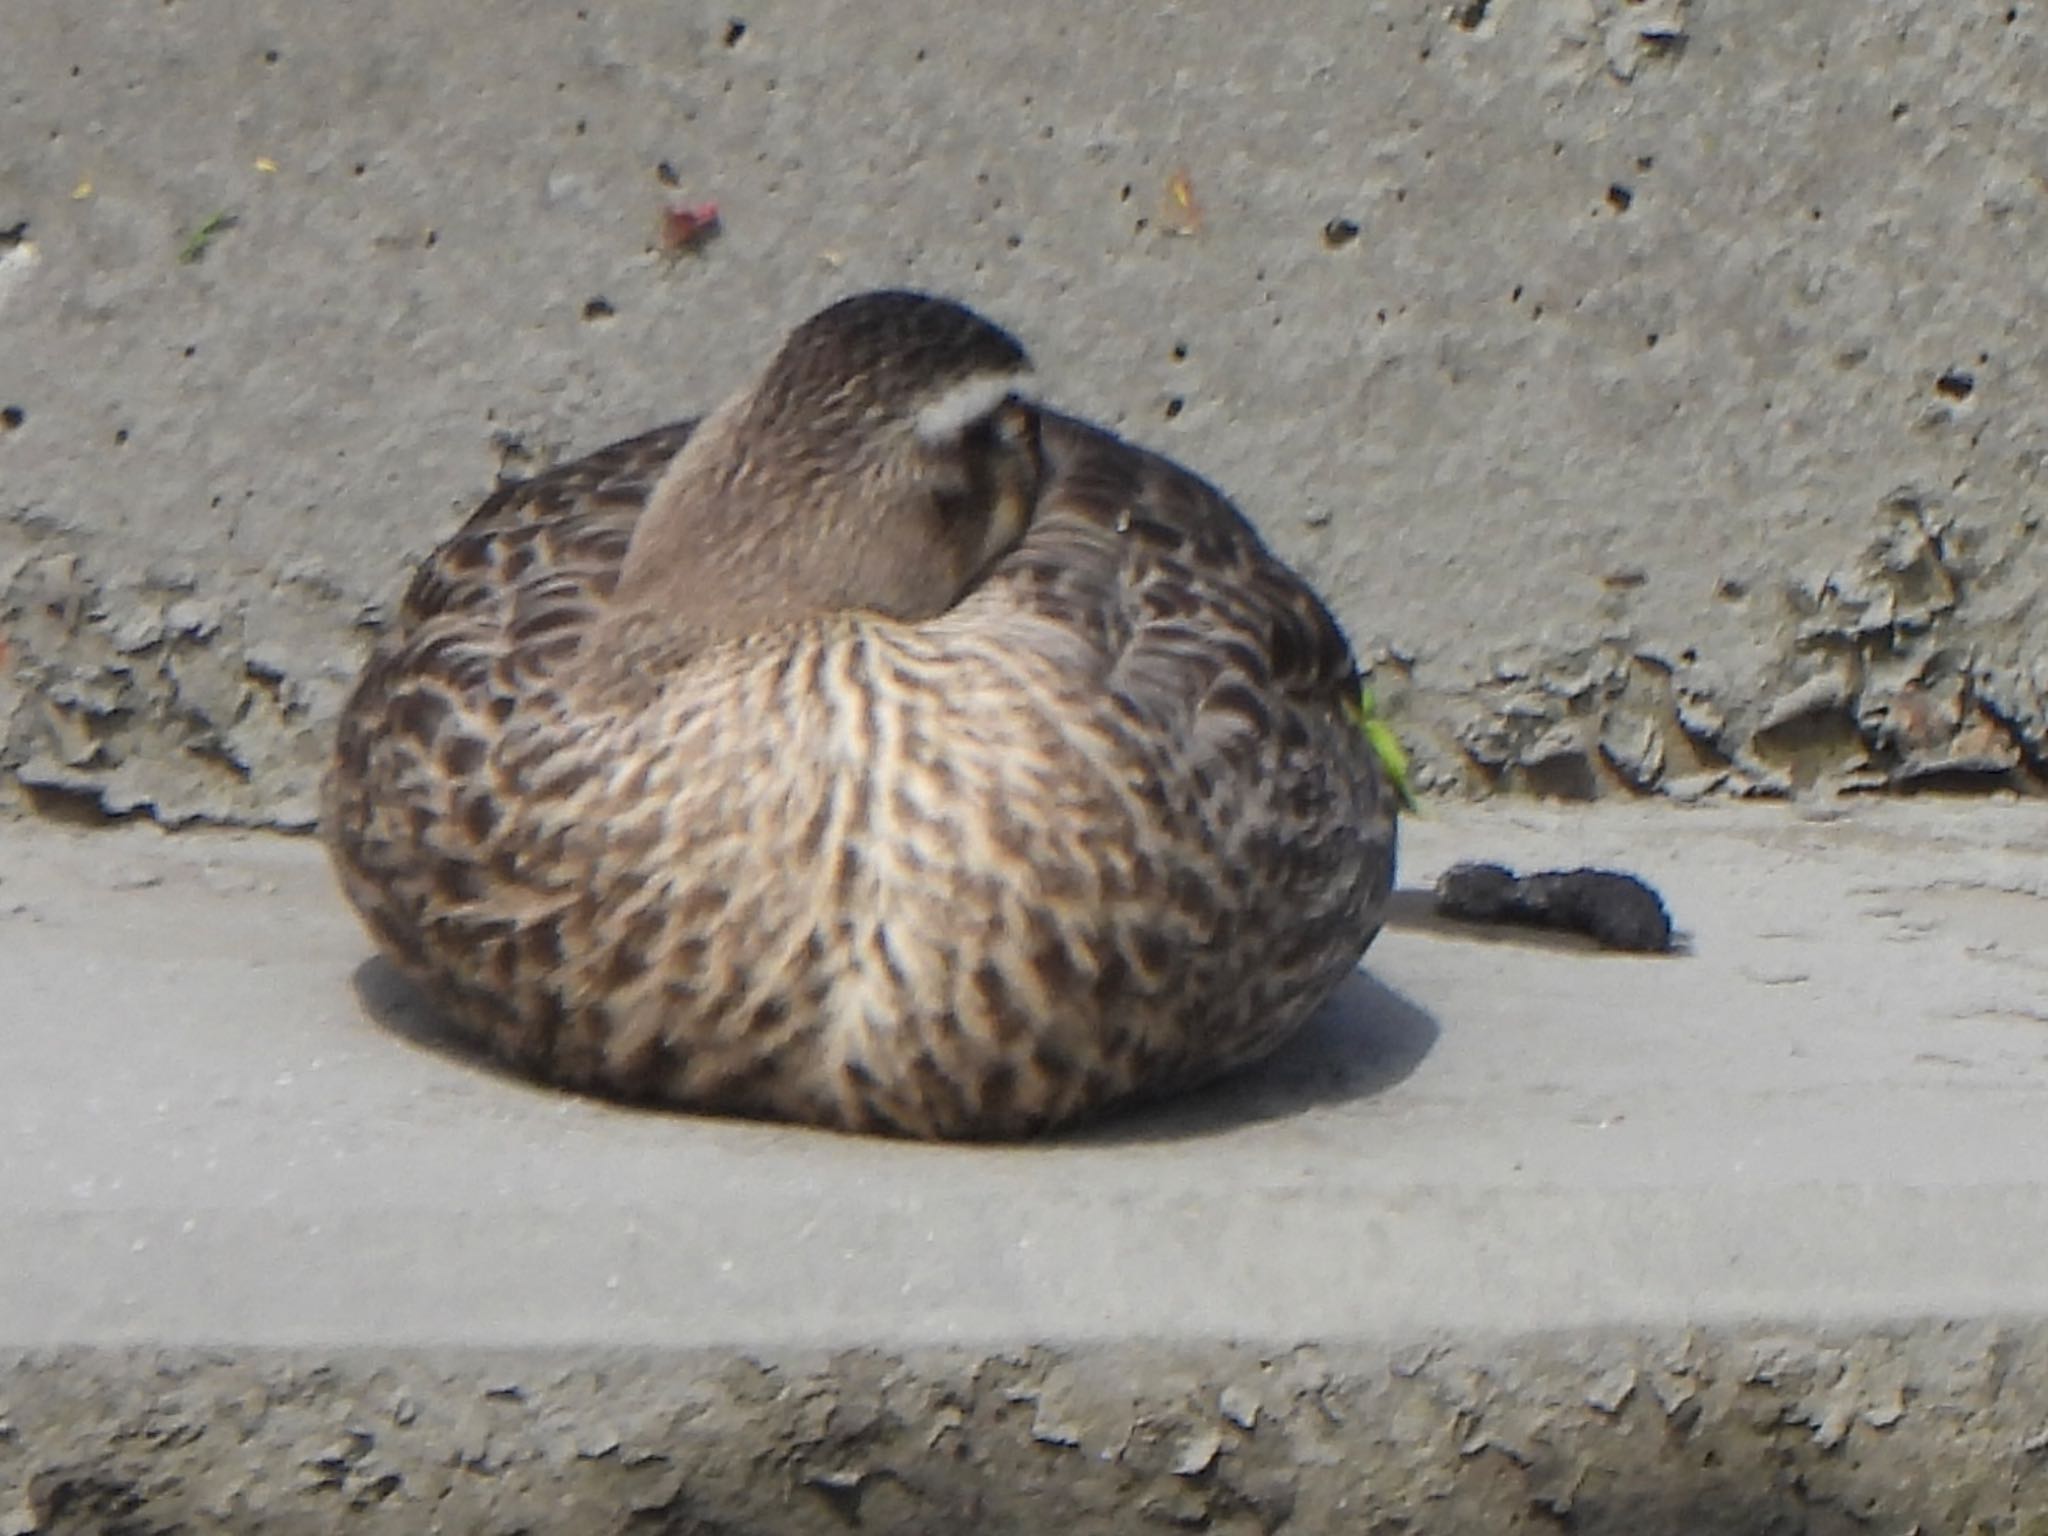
[[399, 1008], [1363, 1040]]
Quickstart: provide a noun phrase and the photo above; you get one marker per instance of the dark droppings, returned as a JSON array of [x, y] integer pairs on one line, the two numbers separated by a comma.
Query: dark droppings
[[1614, 909]]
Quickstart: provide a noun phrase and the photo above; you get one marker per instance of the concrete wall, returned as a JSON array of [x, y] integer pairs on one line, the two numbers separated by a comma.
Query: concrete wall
[[1659, 389]]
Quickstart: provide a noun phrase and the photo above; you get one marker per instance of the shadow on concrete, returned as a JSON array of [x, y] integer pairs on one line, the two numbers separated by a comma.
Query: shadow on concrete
[[1362, 1041], [399, 1008], [394, 1004]]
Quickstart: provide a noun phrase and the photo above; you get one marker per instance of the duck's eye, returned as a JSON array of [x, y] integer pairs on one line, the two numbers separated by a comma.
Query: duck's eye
[[1010, 426], [981, 436]]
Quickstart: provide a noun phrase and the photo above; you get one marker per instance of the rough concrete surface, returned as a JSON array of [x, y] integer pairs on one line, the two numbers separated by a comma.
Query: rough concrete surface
[[1706, 1433], [1517, 1236], [1657, 386]]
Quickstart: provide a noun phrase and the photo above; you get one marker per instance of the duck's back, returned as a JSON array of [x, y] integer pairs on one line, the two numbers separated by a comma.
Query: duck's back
[[1101, 831]]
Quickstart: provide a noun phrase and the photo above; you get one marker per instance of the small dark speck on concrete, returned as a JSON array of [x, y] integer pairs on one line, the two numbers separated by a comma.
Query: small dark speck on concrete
[[1615, 910], [511, 447], [1340, 232], [14, 233], [12, 416], [1619, 197], [665, 173], [1956, 384], [735, 29], [599, 308], [1174, 406]]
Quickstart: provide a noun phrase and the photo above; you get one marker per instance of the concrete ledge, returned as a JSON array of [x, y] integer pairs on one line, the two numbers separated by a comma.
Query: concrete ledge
[[1472, 1246], [1934, 1430]]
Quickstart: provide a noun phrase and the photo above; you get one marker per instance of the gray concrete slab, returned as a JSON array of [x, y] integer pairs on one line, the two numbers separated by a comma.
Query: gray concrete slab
[[1517, 1236], [224, 1125], [1674, 413]]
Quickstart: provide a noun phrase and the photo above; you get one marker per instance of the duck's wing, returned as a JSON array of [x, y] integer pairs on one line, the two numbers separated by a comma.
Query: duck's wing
[[410, 801], [1180, 598], [563, 532], [1237, 821]]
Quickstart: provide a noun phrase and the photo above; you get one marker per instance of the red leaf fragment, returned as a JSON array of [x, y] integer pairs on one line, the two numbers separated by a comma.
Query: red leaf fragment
[[687, 226]]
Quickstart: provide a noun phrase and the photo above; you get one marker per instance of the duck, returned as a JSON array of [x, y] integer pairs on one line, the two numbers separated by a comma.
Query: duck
[[884, 752]]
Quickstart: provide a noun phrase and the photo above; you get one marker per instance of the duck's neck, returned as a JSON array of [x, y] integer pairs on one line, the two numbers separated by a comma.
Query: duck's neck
[[752, 529], [718, 553]]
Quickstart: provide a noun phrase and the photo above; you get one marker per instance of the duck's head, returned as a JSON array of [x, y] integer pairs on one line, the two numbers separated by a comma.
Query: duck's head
[[881, 462]]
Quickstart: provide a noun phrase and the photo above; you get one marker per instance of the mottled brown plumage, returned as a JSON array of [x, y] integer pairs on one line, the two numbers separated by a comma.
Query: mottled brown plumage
[[937, 765]]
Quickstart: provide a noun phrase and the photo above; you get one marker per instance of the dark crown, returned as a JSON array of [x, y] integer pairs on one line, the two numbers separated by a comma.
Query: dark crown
[[885, 353]]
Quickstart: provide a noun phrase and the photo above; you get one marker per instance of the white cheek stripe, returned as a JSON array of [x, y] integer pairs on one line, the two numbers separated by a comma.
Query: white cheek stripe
[[963, 405]]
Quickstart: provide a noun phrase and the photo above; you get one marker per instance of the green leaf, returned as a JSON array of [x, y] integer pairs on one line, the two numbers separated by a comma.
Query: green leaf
[[195, 246], [1386, 746]]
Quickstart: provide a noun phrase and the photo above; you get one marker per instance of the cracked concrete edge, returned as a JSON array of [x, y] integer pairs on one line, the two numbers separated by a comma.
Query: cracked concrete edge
[[1943, 1427], [151, 694], [1884, 679]]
